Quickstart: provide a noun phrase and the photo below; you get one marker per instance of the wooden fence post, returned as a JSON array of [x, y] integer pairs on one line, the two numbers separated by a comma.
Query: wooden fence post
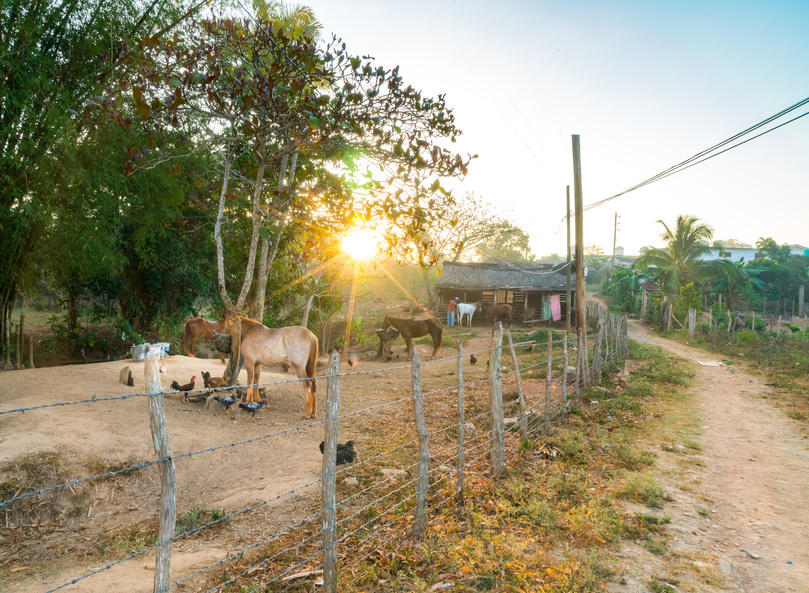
[[548, 385], [461, 461], [168, 479], [31, 352], [580, 369], [329, 474], [498, 449], [564, 374], [523, 419], [692, 317], [422, 482], [643, 302], [597, 350]]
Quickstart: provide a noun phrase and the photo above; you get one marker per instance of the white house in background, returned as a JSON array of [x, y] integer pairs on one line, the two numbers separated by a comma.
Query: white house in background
[[746, 254]]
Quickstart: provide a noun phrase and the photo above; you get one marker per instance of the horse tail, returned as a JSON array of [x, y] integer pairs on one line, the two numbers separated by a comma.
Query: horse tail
[[439, 339], [311, 364], [188, 340]]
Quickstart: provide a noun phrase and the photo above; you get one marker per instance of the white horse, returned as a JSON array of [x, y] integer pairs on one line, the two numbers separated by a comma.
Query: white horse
[[466, 309]]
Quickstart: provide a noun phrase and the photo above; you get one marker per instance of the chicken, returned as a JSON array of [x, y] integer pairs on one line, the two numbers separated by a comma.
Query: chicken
[[353, 359], [472, 359], [531, 347], [184, 388], [345, 452], [227, 401], [214, 382], [252, 408]]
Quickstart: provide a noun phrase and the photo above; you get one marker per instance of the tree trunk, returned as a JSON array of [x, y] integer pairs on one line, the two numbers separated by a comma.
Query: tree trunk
[[306, 309], [254, 236], [268, 252]]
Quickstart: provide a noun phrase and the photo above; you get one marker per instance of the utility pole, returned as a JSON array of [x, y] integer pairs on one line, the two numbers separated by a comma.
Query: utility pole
[[614, 241], [581, 315], [567, 268]]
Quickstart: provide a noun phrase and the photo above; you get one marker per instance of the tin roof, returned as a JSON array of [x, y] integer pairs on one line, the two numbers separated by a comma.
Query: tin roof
[[494, 276]]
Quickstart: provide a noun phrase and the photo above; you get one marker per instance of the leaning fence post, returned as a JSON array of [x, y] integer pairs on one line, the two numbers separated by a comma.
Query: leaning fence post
[[460, 473], [168, 480], [523, 419], [329, 474], [597, 349], [422, 482], [498, 450]]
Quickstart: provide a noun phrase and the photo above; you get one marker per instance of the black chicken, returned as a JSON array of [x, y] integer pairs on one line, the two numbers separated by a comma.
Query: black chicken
[[472, 359], [531, 347], [227, 401], [252, 408], [345, 453]]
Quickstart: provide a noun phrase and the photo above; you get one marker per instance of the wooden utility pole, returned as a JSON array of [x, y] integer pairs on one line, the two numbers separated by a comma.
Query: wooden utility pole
[[577, 196], [567, 269], [614, 241]]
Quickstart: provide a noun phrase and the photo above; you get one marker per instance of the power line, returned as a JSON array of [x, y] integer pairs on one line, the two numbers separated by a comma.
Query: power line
[[704, 155]]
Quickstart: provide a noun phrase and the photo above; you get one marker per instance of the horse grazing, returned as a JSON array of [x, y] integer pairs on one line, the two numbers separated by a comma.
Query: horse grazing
[[295, 346], [415, 328], [494, 310], [466, 309], [196, 327]]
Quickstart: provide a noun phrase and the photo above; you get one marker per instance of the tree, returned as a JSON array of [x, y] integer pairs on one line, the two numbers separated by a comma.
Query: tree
[[680, 261], [56, 56], [506, 242], [267, 100]]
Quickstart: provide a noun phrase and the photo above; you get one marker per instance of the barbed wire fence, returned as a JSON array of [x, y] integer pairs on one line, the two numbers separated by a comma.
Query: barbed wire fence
[[441, 457]]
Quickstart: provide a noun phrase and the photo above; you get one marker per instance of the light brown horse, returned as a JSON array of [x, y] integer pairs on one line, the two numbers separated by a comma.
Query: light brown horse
[[196, 327], [415, 328], [494, 310], [295, 346]]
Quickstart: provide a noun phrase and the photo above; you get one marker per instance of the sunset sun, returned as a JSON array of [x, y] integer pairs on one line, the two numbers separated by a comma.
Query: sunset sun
[[361, 244]]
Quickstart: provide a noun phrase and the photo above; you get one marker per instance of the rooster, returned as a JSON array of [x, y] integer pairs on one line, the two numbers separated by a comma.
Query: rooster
[[227, 401], [345, 452], [214, 382], [184, 388], [252, 408]]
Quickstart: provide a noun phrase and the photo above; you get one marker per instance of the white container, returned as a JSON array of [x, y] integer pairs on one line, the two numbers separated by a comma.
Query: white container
[[139, 352], [164, 345]]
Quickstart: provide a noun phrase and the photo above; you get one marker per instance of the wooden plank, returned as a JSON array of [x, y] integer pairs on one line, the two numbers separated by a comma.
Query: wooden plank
[[523, 418], [548, 384]]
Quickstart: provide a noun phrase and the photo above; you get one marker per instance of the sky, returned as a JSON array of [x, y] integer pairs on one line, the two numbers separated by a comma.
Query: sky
[[644, 84]]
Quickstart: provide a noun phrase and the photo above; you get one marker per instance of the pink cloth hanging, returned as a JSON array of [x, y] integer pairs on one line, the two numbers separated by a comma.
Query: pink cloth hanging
[[556, 307]]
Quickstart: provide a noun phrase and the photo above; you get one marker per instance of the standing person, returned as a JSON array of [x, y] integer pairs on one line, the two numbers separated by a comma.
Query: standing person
[[451, 312]]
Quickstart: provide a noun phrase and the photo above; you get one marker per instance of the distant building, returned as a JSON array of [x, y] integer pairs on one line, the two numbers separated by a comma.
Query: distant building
[[746, 254]]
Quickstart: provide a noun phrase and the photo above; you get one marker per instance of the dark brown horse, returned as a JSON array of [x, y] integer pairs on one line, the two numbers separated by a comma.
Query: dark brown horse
[[196, 327], [415, 328], [494, 310]]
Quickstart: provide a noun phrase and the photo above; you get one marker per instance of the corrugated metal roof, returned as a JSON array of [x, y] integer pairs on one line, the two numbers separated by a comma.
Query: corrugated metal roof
[[494, 276]]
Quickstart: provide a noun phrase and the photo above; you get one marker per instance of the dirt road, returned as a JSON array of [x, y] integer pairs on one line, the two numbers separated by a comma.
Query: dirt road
[[753, 478]]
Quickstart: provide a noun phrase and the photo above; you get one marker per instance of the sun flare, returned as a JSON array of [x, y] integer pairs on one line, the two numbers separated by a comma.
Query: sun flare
[[361, 244]]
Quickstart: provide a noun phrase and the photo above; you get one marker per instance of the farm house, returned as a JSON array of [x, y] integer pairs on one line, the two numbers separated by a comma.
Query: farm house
[[528, 288]]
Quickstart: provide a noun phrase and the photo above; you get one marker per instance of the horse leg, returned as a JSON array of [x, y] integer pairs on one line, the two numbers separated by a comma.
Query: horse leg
[[408, 345], [310, 400], [256, 377]]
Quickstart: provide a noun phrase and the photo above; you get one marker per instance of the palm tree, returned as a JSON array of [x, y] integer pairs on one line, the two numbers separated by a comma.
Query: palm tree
[[679, 262]]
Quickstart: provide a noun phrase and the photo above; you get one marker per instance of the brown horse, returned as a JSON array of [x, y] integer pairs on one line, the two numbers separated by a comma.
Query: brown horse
[[415, 328], [295, 346], [494, 310], [196, 327]]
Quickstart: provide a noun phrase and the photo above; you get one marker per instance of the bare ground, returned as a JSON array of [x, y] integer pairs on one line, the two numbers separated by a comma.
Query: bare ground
[[740, 510]]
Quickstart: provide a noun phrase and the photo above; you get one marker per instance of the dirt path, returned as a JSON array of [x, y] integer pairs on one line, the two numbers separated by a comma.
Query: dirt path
[[755, 479]]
